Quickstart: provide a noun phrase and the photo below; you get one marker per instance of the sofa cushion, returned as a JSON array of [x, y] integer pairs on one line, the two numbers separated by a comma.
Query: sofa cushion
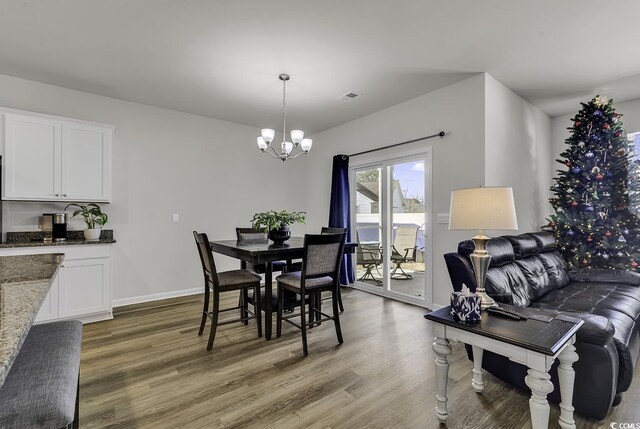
[[499, 248], [545, 240], [556, 269], [508, 284], [605, 276], [536, 275], [523, 245]]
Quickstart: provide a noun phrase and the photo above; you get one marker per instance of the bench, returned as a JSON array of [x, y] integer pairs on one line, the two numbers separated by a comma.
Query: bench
[[42, 387]]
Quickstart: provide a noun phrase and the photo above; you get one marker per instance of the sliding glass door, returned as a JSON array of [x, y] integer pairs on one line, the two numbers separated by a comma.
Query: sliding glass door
[[391, 206]]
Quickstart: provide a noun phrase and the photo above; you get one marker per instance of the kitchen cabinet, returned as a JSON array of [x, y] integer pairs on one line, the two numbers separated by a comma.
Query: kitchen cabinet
[[55, 159], [82, 289]]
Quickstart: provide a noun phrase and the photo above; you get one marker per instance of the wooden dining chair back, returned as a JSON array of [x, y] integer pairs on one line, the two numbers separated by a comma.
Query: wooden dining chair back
[[320, 272], [250, 234], [335, 230], [217, 282]]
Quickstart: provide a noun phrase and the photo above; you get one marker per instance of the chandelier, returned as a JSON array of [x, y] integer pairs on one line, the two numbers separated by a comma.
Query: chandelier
[[297, 136]]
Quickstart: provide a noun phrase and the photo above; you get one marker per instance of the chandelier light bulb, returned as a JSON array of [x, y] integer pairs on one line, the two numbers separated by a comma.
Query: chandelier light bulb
[[297, 136], [287, 147], [306, 144], [268, 134], [262, 144]]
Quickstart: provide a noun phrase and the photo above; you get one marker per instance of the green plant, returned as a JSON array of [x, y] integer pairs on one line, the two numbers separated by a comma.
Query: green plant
[[91, 213], [272, 219]]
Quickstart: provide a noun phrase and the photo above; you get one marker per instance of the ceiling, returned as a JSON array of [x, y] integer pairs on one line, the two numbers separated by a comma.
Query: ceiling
[[221, 58]]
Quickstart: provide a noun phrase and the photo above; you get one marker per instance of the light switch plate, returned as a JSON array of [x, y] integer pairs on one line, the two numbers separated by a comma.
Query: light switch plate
[[442, 218], [175, 218]]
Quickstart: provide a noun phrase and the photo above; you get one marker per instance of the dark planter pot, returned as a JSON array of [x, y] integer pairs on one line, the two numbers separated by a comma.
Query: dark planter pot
[[280, 235]]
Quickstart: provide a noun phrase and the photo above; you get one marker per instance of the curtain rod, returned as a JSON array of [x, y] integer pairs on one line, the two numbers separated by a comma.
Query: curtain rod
[[440, 134]]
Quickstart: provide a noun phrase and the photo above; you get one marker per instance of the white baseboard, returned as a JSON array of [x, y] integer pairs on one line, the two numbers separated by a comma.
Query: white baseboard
[[435, 306], [156, 297]]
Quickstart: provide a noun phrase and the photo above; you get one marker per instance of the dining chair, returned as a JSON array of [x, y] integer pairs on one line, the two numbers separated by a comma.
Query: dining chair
[[217, 282], [320, 272], [404, 250], [334, 230]]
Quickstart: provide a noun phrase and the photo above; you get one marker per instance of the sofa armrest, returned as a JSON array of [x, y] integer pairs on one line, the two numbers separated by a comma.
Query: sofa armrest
[[596, 330], [597, 275]]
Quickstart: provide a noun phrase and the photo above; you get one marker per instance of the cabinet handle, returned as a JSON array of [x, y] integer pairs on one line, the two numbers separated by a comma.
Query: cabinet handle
[[64, 195], [57, 195]]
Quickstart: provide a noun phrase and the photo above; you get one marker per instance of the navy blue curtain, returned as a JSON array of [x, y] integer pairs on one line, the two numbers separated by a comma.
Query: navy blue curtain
[[340, 210]]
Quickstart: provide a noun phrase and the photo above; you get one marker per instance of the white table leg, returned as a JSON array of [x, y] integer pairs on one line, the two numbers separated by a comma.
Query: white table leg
[[540, 385], [566, 376], [442, 349], [477, 383]]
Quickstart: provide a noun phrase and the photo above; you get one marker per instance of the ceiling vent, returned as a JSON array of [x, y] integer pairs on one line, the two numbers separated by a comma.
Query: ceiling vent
[[348, 96]]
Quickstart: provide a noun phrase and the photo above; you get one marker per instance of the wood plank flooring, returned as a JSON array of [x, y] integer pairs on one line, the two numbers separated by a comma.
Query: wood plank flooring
[[147, 368]]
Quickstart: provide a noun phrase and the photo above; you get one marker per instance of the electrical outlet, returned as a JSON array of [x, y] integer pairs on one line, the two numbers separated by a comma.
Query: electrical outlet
[[175, 218]]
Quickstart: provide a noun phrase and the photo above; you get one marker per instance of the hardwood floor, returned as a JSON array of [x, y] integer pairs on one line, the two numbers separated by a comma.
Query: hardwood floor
[[147, 368]]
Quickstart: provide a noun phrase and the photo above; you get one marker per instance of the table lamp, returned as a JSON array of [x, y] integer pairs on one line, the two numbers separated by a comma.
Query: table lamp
[[482, 208]]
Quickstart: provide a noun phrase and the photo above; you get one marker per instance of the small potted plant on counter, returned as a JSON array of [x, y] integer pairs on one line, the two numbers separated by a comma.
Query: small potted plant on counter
[[93, 217], [276, 224]]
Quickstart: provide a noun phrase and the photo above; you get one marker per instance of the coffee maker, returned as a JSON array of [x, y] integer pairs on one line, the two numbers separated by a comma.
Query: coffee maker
[[53, 226]]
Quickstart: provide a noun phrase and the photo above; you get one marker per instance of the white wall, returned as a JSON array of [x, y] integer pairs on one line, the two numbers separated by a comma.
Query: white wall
[[517, 152], [208, 171], [458, 158]]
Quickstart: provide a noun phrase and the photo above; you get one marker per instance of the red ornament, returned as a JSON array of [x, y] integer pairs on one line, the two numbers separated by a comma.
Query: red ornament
[[585, 261], [606, 126], [589, 239], [568, 163], [578, 123], [608, 234], [617, 134], [574, 203], [599, 177], [634, 264]]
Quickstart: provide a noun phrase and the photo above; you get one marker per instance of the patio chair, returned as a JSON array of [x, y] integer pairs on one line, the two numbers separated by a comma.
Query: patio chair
[[370, 257], [404, 250]]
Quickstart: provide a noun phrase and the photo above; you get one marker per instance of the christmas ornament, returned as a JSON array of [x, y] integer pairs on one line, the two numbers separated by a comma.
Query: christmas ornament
[[570, 233], [599, 177], [617, 133], [568, 163], [585, 261], [589, 154], [595, 170], [569, 190], [621, 239], [597, 113], [581, 144], [625, 232], [588, 208], [607, 234], [577, 123], [634, 264], [589, 239], [576, 170], [606, 126], [605, 256], [600, 101], [574, 203]]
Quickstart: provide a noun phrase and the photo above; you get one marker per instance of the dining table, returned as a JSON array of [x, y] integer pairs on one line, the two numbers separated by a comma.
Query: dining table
[[265, 252]]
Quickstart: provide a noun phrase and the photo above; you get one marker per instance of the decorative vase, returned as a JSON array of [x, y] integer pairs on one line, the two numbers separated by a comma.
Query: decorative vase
[[279, 235], [92, 234]]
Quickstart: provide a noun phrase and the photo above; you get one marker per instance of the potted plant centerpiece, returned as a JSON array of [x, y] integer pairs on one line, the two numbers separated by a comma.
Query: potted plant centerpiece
[[276, 224], [93, 217]]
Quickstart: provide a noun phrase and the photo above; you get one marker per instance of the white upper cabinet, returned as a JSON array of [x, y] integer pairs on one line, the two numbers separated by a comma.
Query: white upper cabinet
[[51, 159], [86, 162]]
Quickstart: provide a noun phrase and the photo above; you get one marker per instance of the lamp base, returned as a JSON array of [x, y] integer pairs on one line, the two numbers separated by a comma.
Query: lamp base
[[480, 260]]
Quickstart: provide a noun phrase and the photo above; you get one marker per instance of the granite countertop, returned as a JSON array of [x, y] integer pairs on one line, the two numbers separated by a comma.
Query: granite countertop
[[24, 284], [35, 239]]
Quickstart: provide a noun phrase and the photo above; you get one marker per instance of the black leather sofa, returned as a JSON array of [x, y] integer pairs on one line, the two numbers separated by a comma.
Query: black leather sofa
[[527, 271]]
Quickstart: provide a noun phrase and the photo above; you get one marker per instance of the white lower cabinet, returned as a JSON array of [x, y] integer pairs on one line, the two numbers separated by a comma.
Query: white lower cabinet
[[82, 288]]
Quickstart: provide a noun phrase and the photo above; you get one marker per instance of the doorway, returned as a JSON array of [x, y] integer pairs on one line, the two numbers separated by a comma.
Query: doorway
[[391, 212]]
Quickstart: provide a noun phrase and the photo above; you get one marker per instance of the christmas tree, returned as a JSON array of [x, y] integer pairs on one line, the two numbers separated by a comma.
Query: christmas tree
[[595, 224]]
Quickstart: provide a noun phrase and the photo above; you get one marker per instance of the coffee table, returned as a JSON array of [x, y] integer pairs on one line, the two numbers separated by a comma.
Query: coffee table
[[530, 342]]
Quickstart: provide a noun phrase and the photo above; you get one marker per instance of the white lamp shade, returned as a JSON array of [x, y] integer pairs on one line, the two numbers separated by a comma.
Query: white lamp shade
[[262, 144], [297, 136], [483, 208], [268, 134], [287, 147], [306, 144]]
